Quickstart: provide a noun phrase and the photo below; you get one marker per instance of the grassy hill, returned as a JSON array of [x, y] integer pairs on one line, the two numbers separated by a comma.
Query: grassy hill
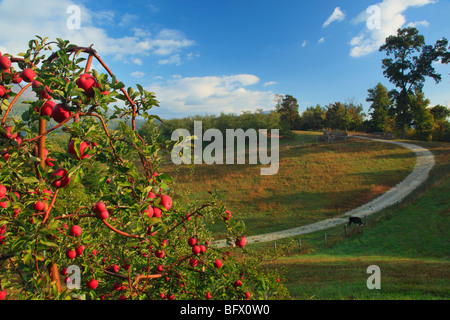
[[409, 243], [314, 182]]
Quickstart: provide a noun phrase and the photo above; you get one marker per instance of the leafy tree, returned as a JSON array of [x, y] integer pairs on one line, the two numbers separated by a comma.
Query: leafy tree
[[344, 116], [288, 110], [313, 118], [381, 104], [411, 64], [422, 117], [440, 112], [100, 203]]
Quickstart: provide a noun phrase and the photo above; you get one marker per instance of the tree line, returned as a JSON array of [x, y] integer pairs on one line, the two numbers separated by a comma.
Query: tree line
[[404, 111]]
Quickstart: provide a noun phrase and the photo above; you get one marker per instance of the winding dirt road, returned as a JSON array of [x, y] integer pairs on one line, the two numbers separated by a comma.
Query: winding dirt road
[[424, 163]]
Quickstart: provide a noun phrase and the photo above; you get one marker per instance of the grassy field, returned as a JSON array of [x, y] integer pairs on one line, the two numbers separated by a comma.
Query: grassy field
[[410, 244], [314, 182]]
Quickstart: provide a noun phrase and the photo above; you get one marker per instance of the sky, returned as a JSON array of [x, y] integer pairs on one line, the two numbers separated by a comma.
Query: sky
[[210, 56]]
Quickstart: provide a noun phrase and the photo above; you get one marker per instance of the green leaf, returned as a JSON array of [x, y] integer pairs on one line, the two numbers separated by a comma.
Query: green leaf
[[141, 90], [48, 243]]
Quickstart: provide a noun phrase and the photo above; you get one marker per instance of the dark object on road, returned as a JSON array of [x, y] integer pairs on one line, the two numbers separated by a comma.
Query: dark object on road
[[355, 220]]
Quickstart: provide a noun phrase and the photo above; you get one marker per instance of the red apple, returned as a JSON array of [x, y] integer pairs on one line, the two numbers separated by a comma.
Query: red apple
[[75, 231], [150, 231], [47, 108], [196, 249], [160, 253], [83, 146], [149, 211], [86, 82], [192, 241], [208, 295], [79, 251], [157, 213], [17, 78], [60, 113], [71, 253], [60, 178], [240, 242], [5, 63], [2, 191], [227, 215], [166, 202], [49, 162], [28, 75], [99, 207], [3, 295], [115, 268], [39, 205], [237, 283], [92, 284], [193, 262], [44, 93], [218, 263], [2, 91], [103, 215]]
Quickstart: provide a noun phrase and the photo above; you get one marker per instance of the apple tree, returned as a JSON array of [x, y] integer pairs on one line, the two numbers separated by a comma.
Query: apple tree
[[85, 208]]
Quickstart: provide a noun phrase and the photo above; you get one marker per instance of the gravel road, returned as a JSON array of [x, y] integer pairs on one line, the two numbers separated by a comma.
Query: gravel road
[[424, 163]]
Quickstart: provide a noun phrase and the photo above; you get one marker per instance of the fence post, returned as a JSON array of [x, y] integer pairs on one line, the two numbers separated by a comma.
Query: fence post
[[345, 232], [299, 246], [325, 238], [275, 245]]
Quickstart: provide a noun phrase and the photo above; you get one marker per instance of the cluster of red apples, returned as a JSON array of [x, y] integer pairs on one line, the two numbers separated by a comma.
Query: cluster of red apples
[[160, 205]]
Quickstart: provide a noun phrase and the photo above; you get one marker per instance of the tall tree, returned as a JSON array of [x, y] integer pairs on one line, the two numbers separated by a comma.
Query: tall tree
[[422, 117], [313, 118], [411, 64], [343, 116], [288, 110], [378, 110], [440, 112]]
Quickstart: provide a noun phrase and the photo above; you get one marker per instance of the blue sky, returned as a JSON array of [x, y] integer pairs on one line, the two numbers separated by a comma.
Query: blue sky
[[210, 56]]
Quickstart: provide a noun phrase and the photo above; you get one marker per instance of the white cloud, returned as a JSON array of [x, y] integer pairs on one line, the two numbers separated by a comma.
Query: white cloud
[[381, 20], [49, 19], [269, 83], [138, 74], [211, 94], [175, 59], [137, 61], [127, 19], [415, 24], [321, 40], [337, 15], [304, 43]]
